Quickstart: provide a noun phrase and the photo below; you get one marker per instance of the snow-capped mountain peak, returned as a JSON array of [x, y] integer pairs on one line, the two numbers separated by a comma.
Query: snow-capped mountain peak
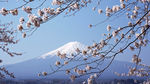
[[67, 48]]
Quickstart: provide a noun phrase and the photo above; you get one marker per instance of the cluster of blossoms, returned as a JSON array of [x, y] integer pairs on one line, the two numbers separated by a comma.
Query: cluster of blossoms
[[43, 73], [7, 37], [45, 14], [62, 56], [58, 2], [136, 59], [80, 71], [5, 12], [142, 71], [90, 80], [36, 21], [27, 9], [138, 72], [115, 8]]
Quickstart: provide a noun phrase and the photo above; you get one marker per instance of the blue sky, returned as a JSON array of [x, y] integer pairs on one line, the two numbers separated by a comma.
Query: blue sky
[[62, 30]]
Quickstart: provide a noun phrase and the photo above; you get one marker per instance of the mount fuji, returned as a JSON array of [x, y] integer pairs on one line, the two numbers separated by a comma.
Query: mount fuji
[[29, 69]]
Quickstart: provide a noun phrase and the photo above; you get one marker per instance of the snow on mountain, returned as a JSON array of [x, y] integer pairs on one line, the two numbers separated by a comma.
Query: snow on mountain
[[68, 48], [30, 68]]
